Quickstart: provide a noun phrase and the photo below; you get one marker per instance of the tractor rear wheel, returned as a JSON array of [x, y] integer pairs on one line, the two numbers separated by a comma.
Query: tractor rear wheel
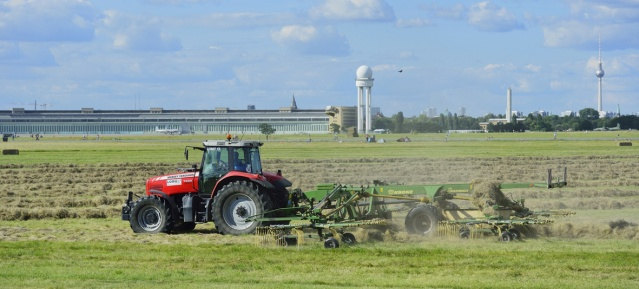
[[151, 215], [422, 220], [236, 202]]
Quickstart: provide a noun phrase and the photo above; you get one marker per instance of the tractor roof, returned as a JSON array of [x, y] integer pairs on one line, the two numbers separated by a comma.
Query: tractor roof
[[224, 143]]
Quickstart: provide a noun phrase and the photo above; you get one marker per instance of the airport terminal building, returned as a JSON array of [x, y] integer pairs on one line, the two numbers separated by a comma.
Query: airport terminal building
[[86, 121]]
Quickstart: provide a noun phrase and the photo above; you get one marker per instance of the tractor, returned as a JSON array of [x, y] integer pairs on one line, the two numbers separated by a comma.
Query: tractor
[[228, 187]]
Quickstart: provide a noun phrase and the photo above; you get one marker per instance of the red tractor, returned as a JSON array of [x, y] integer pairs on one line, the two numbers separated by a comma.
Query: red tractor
[[228, 188]]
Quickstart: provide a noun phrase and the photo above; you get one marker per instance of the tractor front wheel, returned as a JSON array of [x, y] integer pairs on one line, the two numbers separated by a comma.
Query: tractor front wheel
[[234, 204], [150, 215], [422, 220]]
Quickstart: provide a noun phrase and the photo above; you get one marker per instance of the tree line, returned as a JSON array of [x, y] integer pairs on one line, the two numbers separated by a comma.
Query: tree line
[[588, 119]]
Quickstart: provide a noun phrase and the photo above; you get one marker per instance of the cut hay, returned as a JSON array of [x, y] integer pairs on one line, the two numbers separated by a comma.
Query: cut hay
[[487, 196], [589, 230]]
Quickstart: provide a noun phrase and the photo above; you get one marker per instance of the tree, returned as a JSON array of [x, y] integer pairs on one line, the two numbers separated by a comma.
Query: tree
[[589, 113], [399, 122], [266, 129], [583, 124], [335, 128]]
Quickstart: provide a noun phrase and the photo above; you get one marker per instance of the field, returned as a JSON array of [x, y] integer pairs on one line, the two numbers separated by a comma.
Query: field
[[60, 201]]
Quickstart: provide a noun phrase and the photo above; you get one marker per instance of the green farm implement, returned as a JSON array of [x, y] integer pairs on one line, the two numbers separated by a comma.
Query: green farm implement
[[331, 209]]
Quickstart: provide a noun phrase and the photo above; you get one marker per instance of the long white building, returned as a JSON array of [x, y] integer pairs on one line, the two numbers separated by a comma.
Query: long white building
[[286, 120]]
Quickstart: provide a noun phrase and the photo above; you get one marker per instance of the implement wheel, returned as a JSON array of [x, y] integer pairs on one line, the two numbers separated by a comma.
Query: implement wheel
[[151, 215], [515, 234], [422, 220], [506, 237], [331, 243], [348, 238], [236, 202], [464, 233]]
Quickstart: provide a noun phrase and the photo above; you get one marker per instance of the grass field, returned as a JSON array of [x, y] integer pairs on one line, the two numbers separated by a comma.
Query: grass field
[[60, 200]]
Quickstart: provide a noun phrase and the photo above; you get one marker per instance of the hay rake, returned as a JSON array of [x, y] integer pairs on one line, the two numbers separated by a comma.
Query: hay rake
[[328, 211]]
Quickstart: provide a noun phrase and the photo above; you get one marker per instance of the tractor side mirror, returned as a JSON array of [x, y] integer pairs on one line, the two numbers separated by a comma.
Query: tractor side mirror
[[186, 153]]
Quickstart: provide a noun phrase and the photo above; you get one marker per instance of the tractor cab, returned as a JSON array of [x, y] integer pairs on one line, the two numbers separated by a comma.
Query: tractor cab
[[220, 158]]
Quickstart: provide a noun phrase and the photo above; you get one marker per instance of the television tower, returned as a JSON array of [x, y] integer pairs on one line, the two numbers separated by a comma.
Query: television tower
[[600, 74]]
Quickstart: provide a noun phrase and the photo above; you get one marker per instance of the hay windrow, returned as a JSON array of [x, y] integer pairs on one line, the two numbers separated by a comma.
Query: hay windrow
[[90, 191]]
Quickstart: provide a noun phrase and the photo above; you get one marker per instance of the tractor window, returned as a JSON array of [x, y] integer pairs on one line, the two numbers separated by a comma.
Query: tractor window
[[240, 160], [256, 163], [247, 160], [215, 163]]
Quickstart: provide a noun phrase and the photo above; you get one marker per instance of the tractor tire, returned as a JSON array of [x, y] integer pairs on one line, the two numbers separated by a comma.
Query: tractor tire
[[235, 202], [151, 215], [422, 220]]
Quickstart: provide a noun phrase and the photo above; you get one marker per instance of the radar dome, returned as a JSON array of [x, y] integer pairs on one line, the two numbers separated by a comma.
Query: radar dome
[[364, 72]]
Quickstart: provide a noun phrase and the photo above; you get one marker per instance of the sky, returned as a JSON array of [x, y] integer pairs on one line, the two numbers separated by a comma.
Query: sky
[[203, 54]]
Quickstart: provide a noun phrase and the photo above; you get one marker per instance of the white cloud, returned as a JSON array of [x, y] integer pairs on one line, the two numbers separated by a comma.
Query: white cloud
[[310, 40], [130, 33], [385, 67], [496, 67], [243, 19], [295, 33], [51, 20], [616, 21], [413, 22], [532, 68], [569, 33], [376, 10], [621, 10], [145, 38], [490, 17], [522, 85], [25, 54], [458, 11], [484, 16]]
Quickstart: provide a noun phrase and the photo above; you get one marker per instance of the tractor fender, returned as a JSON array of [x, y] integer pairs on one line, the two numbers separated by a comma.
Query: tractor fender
[[234, 176], [172, 205]]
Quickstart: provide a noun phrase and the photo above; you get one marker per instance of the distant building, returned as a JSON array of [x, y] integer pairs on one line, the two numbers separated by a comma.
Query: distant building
[[540, 113], [344, 116], [567, 113], [218, 121], [430, 112], [375, 110]]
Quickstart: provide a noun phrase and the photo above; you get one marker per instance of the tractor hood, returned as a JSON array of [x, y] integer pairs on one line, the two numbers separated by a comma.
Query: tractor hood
[[173, 183]]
